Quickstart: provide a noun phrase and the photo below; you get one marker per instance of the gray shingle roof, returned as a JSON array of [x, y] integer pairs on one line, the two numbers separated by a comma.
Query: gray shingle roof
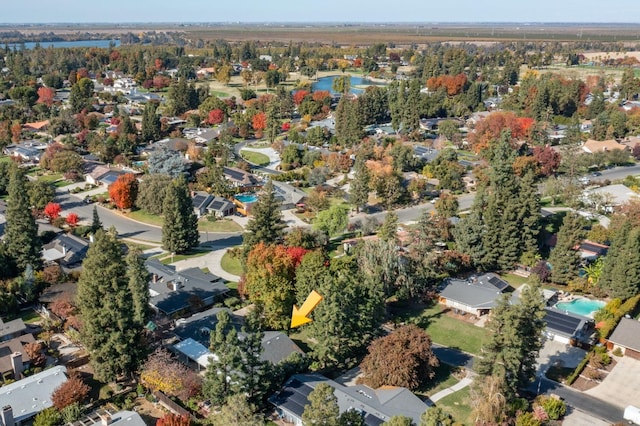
[[11, 346], [11, 328], [478, 294], [377, 405], [627, 334]]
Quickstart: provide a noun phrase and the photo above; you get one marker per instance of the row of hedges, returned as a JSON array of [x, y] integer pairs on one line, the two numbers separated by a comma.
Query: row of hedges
[[609, 316]]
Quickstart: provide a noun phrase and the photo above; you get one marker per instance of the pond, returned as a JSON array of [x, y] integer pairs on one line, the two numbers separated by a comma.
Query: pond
[[358, 84], [77, 43]]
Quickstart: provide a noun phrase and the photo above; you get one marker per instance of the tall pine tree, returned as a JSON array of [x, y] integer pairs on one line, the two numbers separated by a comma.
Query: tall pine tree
[[139, 286], [109, 329], [180, 224], [150, 123], [564, 258], [266, 224], [359, 189], [624, 281], [21, 237], [221, 377]]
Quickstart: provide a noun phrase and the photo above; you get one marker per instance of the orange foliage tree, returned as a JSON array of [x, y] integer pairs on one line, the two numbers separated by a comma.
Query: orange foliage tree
[[490, 129], [45, 95], [453, 83], [299, 96], [163, 373], [73, 390], [216, 116], [259, 121], [124, 190]]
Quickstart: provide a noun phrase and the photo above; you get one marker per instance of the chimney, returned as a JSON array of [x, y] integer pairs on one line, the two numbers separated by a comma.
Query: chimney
[[105, 419], [16, 364], [154, 278], [64, 250], [6, 416]]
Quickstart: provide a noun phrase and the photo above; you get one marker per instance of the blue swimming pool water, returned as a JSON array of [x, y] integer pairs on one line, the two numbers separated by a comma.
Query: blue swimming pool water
[[326, 83], [584, 307], [246, 198]]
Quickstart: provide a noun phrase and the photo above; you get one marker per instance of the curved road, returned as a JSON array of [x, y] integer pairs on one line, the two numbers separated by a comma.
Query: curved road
[[128, 228]]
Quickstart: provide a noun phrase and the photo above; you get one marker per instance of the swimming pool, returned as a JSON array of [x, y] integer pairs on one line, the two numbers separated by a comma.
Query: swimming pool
[[581, 306], [246, 198]]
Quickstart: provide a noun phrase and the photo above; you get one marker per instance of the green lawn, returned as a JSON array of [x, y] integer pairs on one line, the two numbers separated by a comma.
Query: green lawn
[[442, 380], [256, 158], [166, 259], [231, 264], [444, 329], [458, 404], [30, 317], [223, 225], [50, 178], [5, 159], [139, 246], [144, 216], [515, 280]]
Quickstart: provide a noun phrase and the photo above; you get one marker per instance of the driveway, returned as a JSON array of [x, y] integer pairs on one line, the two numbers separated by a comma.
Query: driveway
[[621, 387], [578, 418], [556, 353]]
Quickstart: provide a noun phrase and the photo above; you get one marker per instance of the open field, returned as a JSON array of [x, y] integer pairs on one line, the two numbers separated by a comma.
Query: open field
[[353, 34]]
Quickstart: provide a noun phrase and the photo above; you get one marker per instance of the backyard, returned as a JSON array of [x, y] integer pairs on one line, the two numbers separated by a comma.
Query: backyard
[[443, 329], [458, 404]]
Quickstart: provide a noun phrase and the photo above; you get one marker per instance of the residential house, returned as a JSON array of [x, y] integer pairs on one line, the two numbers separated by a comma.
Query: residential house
[[591, 251], [609, 197], [203, 136], [244, 181], [194, 334], [626, 336], [37, 126], [375, 405], [12, 329], [566, 327], [174, 292], [477, 295], [21, 401], [14, 359], [27, 151], [66, 249], [424, 153], [104, 417], [592, 146], [204, 203], [106, 175], [289, 195]]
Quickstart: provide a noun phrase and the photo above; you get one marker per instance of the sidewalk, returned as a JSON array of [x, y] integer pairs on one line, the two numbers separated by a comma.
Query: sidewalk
[[458, 386]]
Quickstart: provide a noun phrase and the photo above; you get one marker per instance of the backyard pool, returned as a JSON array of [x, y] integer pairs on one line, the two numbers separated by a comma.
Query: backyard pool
[[246, 198], [580, 306]]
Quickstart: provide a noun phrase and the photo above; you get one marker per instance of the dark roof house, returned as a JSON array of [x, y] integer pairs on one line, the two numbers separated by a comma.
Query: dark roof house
[[174, 291], [627, 336], [241, 179], [204, 203], [10, 351], [66, 249], [376, 405], [11, 329], [477, 295], [565, 326]]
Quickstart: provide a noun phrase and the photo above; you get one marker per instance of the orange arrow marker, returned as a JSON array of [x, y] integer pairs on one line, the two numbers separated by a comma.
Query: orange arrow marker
[[299, 316]]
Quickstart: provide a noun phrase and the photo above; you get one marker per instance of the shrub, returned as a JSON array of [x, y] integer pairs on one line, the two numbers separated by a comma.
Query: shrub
[[527, 419], [617, 352], [554, 407], [576, 373]]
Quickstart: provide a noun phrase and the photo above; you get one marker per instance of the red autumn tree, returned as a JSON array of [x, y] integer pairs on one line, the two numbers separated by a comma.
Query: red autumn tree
[[321, 95], [490, 129], [286, 126], [171, 419], [299, 96], [73, 390], [216, 116], [296, 253], [548, 159], [453, 83], [52, 210], [259, 121], [63, 307], [124, 190], [72, 219], [45, 95], [402, 358]]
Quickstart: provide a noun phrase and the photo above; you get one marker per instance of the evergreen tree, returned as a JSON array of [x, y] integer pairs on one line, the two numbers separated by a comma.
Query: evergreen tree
[[564, 258], [359, 189], [273, 121], [614, 256], [322, 409], [109, 330], [180, 224], [21, 234], [237, 411], [625, 277], [266, 224], [389, 229], [221, 377], [255, 373], [96, 224], [139, 286], [150, 123], [529, 214]]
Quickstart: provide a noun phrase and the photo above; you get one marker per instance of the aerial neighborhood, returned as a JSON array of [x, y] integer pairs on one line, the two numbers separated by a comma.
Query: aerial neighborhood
[[213, 226]]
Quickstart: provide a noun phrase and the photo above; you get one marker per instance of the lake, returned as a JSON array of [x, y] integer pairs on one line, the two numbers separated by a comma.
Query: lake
[[358, 84], [78, 43]]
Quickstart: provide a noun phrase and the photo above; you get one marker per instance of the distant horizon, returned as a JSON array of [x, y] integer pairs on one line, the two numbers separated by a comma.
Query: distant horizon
[[312, 23], [45, 12]]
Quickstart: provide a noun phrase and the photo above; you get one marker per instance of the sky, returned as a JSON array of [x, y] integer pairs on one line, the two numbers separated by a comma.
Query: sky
[[186, 11]]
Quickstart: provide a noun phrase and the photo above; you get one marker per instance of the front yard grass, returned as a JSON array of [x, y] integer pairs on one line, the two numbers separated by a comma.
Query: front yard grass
[[442, 380], [443, 329], [256, 158], [231, 264], [30, 317], [145, 217], [458, 404], [167, 259], [221, 225]]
